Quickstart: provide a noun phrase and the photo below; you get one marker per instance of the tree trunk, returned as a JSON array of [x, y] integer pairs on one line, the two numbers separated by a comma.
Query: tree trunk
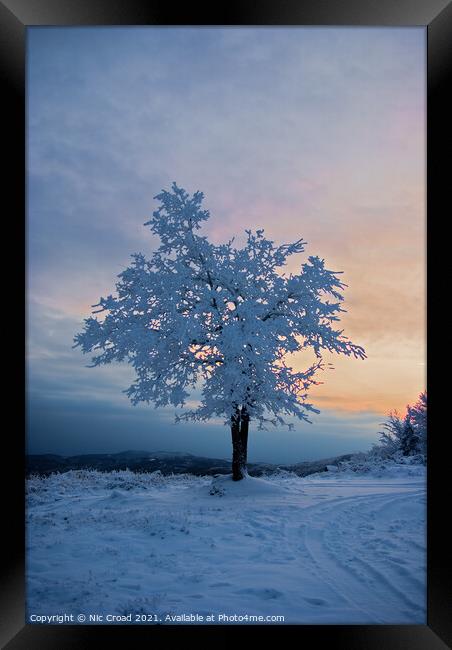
[[239, 434], [244, 426]]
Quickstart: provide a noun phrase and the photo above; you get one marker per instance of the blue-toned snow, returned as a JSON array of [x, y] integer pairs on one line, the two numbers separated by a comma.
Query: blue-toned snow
[[329, 548]]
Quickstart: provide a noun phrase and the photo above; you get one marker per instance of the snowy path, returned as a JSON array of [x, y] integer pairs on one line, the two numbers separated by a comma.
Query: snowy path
[[363, 552], [323, 549]]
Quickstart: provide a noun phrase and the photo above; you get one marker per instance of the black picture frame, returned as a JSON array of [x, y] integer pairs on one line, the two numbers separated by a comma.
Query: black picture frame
[[436, 16]]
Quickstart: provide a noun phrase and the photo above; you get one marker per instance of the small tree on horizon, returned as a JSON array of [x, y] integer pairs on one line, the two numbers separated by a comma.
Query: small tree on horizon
[[222, 316], [418, 418], [406, 435]]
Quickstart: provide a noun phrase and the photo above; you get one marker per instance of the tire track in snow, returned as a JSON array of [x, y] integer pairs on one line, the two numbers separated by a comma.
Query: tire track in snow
[[326, 524], [325, 576]]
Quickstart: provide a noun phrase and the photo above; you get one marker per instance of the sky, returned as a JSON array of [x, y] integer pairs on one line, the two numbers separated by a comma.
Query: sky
[[306, 132]]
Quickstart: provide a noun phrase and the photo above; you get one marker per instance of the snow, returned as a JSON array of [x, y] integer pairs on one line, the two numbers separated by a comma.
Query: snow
[[330, 548], [249, 488]]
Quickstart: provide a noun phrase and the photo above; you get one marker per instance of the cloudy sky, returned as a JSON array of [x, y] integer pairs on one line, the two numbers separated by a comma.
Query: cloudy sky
[[306, 132]]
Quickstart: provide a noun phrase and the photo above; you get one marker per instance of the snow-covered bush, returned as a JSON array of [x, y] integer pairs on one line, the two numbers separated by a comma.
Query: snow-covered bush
[[406, 436], [418, 415], [403, 442], [379, 464], [58, 485]]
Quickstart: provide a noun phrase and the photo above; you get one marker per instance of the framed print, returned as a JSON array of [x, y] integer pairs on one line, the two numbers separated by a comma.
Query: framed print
[[231, 249]]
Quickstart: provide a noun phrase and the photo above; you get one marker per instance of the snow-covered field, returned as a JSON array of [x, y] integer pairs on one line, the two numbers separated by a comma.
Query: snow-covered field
[[330, 548]]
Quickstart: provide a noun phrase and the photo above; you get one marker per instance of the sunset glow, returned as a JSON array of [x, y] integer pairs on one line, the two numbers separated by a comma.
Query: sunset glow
[[307, 133]]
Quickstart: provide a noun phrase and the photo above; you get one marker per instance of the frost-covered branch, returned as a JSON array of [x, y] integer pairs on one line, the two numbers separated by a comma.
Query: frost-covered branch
[[218, 317]]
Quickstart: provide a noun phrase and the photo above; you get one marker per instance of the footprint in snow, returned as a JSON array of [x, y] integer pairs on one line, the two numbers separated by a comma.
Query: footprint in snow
[[193, 578], [316, 601], [115, 494], [265, 593]]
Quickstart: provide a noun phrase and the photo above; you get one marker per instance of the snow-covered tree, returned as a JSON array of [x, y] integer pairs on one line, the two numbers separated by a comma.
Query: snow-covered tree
[[418, 419], [220, 318], [399, 434], [406, 435], [392, 435]]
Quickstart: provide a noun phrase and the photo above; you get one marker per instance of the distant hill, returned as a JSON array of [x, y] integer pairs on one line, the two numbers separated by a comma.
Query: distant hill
[[168, 462]]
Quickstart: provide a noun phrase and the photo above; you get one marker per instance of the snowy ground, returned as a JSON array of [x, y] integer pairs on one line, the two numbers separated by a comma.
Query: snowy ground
[[325, 549]]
